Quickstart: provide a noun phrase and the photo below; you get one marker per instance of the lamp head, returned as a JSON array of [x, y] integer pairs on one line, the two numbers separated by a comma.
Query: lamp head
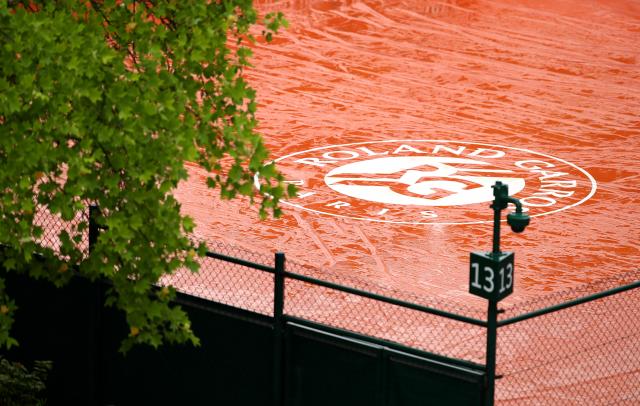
[[518, 221]]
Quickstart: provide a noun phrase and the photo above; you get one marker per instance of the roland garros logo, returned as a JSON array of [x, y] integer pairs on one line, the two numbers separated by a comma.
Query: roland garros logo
[[429, 181]]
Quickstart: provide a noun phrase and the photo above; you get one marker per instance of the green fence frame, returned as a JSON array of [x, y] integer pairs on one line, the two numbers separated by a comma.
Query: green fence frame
[[492, 324], [282, 321]]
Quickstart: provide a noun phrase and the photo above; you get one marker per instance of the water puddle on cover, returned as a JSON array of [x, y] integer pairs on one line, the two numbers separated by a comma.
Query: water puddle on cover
[[380, 110]]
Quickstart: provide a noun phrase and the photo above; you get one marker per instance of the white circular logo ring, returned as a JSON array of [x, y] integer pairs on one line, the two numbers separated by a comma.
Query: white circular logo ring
[[429, 181]]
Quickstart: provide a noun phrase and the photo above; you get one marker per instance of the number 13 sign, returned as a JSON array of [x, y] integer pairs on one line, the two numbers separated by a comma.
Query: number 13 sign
[[491, 275]]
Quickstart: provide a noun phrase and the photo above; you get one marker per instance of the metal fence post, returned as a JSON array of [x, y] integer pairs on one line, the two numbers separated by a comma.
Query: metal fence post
[[94, 210], [278, 330], [492, 336], [491, 276], [94, 230]]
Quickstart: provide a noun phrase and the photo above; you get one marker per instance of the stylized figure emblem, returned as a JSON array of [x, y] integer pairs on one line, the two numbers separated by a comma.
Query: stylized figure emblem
[[421, 180]]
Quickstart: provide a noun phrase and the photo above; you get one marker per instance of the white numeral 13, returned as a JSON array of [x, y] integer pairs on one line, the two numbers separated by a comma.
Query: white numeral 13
[[488, 280]]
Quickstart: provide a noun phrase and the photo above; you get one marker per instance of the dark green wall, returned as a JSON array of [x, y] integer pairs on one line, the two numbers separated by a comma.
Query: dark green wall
[[233, 366]]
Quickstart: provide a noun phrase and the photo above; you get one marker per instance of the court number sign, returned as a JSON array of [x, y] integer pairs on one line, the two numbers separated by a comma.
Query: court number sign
[[491, 275]]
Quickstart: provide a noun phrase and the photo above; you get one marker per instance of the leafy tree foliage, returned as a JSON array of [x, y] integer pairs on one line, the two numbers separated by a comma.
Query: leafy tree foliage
[[102, 102], [21, 387]]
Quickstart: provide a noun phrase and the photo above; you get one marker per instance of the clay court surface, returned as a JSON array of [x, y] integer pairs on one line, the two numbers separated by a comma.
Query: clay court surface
[[357, 96]]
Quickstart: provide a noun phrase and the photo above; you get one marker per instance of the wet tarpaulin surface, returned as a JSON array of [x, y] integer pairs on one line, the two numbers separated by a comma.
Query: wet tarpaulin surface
[[394, 116]]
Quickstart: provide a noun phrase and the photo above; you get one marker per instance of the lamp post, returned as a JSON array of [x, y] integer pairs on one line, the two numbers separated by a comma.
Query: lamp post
[[491, 275]]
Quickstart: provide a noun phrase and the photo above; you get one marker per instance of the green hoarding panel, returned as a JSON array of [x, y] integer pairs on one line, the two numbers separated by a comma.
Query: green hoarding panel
[[420, 381], [232, 366], [325, 369], [330, 369]]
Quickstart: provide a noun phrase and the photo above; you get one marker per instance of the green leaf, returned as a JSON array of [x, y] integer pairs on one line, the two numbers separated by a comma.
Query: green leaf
[[268, 171]]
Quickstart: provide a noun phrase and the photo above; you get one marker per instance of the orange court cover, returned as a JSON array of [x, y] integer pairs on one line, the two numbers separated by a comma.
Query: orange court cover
[[395, 117]]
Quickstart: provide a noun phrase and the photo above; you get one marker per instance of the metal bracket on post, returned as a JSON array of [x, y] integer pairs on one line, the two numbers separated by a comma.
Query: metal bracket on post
[[278, 330], [491, 276]]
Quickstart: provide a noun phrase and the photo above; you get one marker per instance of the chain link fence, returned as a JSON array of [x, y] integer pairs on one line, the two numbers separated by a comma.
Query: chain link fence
[[588, 354], [387, 321], [52, 225], [232, 284]]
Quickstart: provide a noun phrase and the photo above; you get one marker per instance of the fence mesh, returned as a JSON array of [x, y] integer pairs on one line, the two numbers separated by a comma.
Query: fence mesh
[[386, 321], [52, 225], [371, 286], [228, 283], [584, 355], [578, 291]]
